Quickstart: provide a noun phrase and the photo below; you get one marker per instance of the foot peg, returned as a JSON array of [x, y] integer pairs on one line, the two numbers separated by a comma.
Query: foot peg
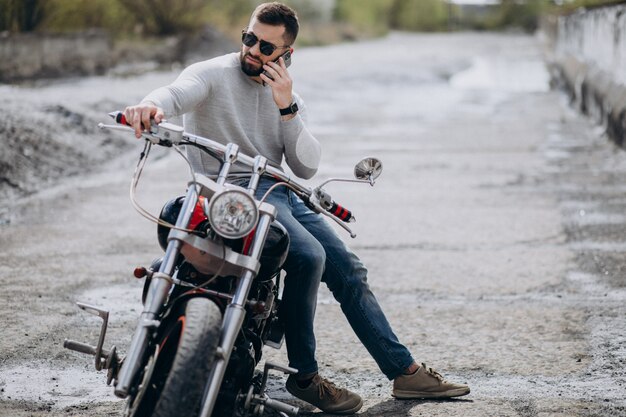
[[105, 359], [255, 403]]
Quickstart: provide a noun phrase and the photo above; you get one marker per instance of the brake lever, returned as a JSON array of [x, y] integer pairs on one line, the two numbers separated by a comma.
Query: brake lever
[[340, 223], [314, 204]]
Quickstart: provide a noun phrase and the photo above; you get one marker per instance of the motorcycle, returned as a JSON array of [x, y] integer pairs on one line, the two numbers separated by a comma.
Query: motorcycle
[[211, 302]]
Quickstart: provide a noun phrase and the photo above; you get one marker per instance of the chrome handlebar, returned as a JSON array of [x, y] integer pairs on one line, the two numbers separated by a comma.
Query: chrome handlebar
[[168, 134]]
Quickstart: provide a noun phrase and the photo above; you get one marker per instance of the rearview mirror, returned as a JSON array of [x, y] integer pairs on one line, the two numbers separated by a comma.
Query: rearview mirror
[[368, 169]]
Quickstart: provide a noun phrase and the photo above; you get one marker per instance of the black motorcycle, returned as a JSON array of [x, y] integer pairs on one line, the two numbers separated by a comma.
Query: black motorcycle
[[211, 303]]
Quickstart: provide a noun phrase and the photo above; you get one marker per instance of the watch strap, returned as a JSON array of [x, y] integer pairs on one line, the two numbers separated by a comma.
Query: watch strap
[[293, 108]]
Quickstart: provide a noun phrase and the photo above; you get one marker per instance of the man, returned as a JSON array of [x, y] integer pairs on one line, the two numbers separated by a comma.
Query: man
[[247, 98]]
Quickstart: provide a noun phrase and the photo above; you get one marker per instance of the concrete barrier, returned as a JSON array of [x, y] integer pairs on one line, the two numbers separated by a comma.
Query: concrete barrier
[[26, 56], [34, 56], [589, 60]]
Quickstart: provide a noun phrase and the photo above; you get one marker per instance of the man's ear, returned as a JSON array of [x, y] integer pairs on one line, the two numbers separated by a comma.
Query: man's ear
[[291, 50]]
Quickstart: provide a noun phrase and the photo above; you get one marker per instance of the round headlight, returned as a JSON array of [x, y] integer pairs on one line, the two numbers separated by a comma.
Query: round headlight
[[233, 214]]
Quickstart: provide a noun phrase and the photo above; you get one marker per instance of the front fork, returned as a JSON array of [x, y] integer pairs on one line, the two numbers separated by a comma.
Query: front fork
[[233, 320], [155, 299]]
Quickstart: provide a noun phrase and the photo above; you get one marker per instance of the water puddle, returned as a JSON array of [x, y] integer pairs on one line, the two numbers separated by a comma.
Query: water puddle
[[590, 218], [55, 385], [59, 385], [592, 246], [528, 76]]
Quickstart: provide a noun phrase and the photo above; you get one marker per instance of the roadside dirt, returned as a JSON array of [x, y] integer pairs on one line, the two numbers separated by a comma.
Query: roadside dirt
[[493, 239]]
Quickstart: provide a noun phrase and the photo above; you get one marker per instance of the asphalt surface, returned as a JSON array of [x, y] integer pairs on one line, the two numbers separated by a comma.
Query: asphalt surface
[[494, 238]]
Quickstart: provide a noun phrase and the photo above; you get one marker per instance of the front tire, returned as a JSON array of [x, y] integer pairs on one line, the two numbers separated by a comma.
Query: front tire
[[175, 385]]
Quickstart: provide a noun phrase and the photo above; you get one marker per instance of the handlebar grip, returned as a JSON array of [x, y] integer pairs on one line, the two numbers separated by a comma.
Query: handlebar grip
[[340, 212], [119, 117]]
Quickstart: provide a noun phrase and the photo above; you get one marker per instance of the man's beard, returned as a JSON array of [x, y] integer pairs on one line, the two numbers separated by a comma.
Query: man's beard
[[247, 68]]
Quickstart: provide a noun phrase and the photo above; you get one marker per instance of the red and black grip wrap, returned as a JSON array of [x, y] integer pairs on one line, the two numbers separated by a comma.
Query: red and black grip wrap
[[340, 212], [119, 117]]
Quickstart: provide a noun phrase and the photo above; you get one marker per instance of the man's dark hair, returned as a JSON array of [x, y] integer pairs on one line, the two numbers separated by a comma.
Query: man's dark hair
[[278, 14]]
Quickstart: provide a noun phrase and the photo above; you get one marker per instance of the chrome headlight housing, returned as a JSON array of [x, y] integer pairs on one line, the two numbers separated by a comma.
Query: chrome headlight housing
[[233, 214]]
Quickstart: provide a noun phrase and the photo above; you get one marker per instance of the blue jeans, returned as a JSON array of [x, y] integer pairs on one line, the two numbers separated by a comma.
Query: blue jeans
[[316, 253]]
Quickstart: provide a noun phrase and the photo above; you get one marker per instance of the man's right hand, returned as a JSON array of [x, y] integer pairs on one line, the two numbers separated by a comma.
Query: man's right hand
[[139, 116]]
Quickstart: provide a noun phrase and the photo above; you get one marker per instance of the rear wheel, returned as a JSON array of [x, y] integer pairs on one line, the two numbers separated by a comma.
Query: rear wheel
[[174, 380]]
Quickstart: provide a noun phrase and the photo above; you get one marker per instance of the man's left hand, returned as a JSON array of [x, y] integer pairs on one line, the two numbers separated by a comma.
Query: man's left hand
[[281, 84]]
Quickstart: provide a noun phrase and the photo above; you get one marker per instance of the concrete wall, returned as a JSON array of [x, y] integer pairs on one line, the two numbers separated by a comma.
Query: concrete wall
[[33, 56], [25, 56], [596, 36], [589, 60]]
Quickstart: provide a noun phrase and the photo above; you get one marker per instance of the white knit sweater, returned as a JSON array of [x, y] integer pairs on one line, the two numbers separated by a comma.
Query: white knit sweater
[[220, 102]]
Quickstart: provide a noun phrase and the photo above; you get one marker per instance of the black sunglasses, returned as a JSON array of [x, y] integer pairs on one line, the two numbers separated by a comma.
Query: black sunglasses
[[249, 39]]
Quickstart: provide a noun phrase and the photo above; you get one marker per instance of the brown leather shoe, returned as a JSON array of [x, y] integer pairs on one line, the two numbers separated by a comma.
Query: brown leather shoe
[[426, 383], [326, 396]]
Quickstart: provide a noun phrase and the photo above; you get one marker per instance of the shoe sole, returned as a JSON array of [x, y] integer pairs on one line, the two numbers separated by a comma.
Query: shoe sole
[[339, 412], [417, 395], [343, 412]]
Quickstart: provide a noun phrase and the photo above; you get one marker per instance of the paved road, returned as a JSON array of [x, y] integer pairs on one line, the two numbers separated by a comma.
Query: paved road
[[493, 239]]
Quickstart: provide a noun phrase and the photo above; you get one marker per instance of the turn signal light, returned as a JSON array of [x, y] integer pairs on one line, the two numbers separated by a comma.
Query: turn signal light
[[140, 272]]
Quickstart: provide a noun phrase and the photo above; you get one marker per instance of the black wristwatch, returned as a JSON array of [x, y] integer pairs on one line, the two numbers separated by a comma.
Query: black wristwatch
[[293, 108]]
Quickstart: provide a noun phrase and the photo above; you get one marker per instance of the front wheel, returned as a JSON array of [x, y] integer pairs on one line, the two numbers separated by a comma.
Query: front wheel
[[174, 380]]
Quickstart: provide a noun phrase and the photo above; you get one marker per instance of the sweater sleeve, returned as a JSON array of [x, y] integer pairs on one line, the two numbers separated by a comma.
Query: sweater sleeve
[[302, 150], [184, 94]]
